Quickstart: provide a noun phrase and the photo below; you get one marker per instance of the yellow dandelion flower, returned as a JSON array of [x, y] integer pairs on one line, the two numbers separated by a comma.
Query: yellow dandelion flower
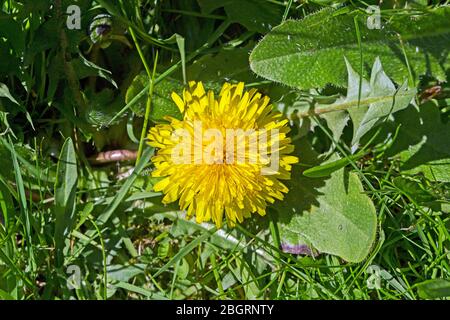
[[225, 157]]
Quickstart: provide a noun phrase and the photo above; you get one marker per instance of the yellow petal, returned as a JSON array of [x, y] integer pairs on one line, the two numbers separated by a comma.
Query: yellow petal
[[178, 101]]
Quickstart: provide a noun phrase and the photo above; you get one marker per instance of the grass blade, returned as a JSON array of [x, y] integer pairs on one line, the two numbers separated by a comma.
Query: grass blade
[[65, 192]]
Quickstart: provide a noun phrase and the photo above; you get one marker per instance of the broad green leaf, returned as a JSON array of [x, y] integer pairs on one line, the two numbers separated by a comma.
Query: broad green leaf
[[65, 191], [162, 104], [308, 53], [423, 143], [334, 216], [432, 289]]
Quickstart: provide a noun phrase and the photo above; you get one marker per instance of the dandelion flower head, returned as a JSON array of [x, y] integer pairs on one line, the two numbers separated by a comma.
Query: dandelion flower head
[[226, 157]]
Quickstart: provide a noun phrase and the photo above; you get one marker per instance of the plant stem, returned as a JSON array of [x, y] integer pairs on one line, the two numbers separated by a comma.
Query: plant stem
[[147, 110], [141, 54], [151, 76], [321, 109]]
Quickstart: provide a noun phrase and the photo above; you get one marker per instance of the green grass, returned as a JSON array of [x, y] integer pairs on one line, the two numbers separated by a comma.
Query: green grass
[[177, 259], [115, 239]]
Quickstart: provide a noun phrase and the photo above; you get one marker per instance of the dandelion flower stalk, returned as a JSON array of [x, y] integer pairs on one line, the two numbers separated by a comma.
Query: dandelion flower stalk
[[227, 155]]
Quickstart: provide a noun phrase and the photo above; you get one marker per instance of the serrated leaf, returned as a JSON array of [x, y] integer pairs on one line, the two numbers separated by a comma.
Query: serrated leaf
[[367, 104], [381, 85], [333, 215], [308, 53], [376, 102]]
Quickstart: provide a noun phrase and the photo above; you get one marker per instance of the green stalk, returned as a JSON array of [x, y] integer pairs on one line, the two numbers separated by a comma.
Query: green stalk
[[141, 54], [151, 75], [147, 110]]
